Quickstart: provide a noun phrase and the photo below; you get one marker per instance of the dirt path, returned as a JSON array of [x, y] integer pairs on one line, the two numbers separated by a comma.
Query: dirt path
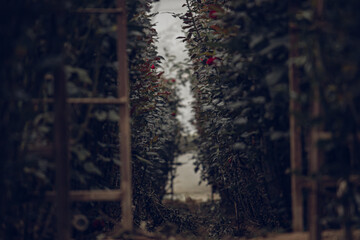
[[186, 182], [193, 198], [326, 235]]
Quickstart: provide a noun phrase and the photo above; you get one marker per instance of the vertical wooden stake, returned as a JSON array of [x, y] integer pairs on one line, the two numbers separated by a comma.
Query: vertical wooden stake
[[315, 155], [62, 181], [346, 224], [315, 160], [124, 122], [295, 136]]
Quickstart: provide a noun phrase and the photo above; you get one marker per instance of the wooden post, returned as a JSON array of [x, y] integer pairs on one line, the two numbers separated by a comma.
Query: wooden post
[[63, 196], [295, 134], [315, 160], [124, 122], [346, 222], [315, 156], [62, 181]]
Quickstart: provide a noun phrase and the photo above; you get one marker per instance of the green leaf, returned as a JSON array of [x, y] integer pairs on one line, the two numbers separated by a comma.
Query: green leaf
[[81, 73], [44, 129], [113, 116], [36, 173], [102, 158], [144, 160], [152, 154], [100, 115], [91, 168], [81, 153], [117, 162]]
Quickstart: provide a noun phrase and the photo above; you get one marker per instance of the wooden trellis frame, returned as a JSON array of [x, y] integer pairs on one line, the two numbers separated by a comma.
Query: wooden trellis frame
[[63, 196], [315, 156]]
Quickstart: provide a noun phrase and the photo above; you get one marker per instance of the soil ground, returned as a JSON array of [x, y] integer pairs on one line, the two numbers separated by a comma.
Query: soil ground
[[186, 183], [211, 225], [204, 219], [327, 235]]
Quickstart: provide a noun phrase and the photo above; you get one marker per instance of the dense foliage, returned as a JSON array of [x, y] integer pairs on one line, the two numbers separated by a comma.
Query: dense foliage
[[328, 68], [329, 61], [239, 50], [37, 37], [240, 58]]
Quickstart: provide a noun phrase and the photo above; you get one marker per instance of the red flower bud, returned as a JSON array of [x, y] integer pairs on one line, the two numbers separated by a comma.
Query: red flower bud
[[173, 114], [98, 224], [173, 80], [212, 14], [210, 60], [153, 66]]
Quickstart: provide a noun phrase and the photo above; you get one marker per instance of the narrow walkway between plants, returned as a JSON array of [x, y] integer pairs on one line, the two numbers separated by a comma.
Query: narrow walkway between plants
[[187, 181]]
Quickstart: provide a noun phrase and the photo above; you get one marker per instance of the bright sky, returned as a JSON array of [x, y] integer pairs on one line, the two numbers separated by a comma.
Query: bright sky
[[169, 28]]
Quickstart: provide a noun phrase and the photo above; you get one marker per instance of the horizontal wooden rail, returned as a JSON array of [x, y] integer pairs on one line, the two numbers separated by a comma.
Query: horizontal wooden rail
[[84, 100], [327, 181], [328, 136], [43, 151], [89, 195], [100, 10]]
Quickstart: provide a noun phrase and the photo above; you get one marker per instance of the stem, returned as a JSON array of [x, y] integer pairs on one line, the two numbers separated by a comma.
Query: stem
[[193, 20]]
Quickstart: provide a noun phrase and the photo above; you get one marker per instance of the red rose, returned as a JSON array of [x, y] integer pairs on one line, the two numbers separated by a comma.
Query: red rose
[[210, 60], [153, 66], [212, 14], [98, 224]]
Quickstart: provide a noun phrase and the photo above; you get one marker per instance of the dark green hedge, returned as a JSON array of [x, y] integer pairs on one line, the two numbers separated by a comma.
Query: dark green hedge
[[239, 51], [240, 56], [35, 35]]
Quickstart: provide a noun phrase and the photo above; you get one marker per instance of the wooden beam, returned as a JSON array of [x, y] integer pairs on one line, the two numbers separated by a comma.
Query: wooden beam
[[124, 121], [315, 162], [315, 154], [85, 101], [297, 201], [97, 100], [100, 10], [42, 151], [327, 181], [62, 178], [89, 195]]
